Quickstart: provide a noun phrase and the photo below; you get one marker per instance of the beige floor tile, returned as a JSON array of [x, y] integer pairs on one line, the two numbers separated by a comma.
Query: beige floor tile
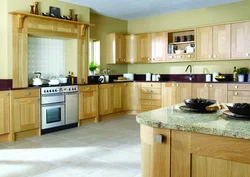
[[113, 171], [108, 143]]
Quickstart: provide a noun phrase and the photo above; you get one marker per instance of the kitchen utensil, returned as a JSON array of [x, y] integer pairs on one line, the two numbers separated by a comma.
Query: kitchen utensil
[[101, 79], [200, 104], [187, 109], [128, 76], [214, 75], [245, 111], [37, 82], [63, 80], [148, 76], [179, 51], [54, 81]]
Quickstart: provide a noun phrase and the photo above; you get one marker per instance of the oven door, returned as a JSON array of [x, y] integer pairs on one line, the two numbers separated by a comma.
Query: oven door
[[53, 115]]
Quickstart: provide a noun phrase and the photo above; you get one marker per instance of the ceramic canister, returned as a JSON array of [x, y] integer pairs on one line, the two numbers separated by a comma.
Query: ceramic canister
[[148, 76]]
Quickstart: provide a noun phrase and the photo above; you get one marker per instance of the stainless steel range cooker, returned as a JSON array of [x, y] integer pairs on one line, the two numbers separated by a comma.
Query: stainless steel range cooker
[[59, 108]]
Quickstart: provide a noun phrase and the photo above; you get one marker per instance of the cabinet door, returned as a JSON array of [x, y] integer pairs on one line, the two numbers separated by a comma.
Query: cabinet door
[[247, 39], [218, 92], [155, 155], [200, 90], [159, 46], [116, 97], [26, 114], [204, 43], [238, 96], [88, 104], [120, 48], [4, 112], [144, 47], [168, 94], [105, 99], [110, 49], [239, 42], [131, 48], [183, 91], [131, 96], [221, 41]]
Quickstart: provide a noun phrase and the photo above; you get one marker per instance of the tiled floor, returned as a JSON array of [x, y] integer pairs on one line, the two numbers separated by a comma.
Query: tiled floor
[[108, 149]]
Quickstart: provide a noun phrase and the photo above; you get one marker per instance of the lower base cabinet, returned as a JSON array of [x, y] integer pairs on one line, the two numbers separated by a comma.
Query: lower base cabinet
[[88, 102], [26, 110], [192, 154], [4, 112]]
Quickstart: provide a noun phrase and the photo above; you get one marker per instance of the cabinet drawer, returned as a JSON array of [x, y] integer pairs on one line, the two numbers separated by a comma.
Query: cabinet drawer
[[238, 96], [149, 108], [88, 88], [151, 102], [151, 90], [26, 93], [151, 96], [152, 85], [239, 87]]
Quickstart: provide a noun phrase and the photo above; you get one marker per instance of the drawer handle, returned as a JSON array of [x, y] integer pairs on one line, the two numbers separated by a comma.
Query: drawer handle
[[27, 93], [172, 85], [236, 86], [89, 88], [149, 59], [125, 84], [151, 91], [150, 96], [6, 94], [236, 93], [177, 85], [159, 139], [150, 102], [211, 85], [209, 56], [206, 85], [247, 54], [215, 56]]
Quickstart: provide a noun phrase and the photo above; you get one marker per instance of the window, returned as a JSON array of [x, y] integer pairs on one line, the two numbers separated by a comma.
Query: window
[[94, 52]]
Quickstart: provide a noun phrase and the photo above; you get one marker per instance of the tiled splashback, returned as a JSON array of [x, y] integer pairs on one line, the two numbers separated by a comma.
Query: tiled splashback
[[46, 56]]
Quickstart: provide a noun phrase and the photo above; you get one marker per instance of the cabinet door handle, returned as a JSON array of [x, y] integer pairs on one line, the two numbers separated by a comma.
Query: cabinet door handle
[[153, 58], [6, 94], [159, 139], [151, 85], [177, 85], [209, 56], [38, 100], [150, 96], [172, 85], [189, 56], [236, 86], [89, 88], [27, 93], [124, 60], [125, 84], [149, 59], [206, 85], [247, 54], [151, 91], [211, 85], [236, 93], [150, 102], [215, 56]]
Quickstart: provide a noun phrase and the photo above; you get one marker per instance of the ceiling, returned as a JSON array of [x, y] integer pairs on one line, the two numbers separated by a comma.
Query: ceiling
[[134, 9]]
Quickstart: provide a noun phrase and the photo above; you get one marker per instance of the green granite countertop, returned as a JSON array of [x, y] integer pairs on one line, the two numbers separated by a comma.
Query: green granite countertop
[[210, 123]]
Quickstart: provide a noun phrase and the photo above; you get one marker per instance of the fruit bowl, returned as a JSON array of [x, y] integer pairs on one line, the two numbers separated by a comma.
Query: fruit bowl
[[220, 78], [199, 103]]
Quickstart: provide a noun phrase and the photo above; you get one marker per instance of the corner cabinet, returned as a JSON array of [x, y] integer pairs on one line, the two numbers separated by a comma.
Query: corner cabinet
[[4, 112], [26, 112], [115, 48], [88, 102]]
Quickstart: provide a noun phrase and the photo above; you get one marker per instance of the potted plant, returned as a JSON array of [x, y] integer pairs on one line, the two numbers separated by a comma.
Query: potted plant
[[92, 67], [241, 73]]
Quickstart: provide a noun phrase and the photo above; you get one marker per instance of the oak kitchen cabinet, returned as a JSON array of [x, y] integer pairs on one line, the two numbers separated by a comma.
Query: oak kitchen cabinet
[[210, 91], [144, 47], [159, 46], [238, 93], [214, 42], [110, 98], [240, 40], [4, 112], [131, 48], [175, 93], [151, 94], [26, 109], [88, 102], [115, 48], [131, 96]]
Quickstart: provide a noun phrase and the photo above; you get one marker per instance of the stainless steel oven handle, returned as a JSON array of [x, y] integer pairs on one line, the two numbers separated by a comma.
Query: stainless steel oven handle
[[51, 95], [53, 105]]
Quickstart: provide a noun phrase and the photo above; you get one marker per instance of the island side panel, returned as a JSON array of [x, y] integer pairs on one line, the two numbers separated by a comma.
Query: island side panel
[[155, 156]]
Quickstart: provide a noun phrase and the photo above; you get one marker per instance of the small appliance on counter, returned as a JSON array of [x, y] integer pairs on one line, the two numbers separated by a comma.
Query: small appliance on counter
[[148, 76], [128, 76], [101, 79], [37, 81]]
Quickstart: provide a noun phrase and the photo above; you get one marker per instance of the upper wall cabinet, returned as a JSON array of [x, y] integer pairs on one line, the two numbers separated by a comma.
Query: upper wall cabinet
[[159, 46], [131, 48], [213, 42], [115, 44], [144, 47], [240, 40]]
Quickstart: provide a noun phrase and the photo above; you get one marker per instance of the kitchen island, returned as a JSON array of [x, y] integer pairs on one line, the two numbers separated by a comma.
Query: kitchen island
[[183, 144]]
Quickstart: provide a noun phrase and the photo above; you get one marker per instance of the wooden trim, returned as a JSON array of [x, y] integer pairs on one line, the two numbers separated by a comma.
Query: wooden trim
[[49, 33], [23, 15], [110, 116], [87, 121], [27, 134], [232, 149]]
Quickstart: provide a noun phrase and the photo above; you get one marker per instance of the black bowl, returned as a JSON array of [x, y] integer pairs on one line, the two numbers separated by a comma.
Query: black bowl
[[199, 106], [239, 111], [220, 79]]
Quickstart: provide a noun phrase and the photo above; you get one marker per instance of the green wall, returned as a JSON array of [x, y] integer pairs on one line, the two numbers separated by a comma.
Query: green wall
[[181, 20], [103, 26]]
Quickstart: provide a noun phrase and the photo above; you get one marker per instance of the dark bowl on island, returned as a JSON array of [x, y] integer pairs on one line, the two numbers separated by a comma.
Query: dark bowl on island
[[240, 108], [199, 103]]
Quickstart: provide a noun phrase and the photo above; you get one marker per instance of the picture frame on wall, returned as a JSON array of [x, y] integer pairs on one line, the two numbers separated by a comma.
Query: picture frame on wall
[[54, 12]]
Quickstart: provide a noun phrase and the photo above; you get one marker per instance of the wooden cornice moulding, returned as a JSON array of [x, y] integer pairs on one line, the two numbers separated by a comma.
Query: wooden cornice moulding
[[22, 16]]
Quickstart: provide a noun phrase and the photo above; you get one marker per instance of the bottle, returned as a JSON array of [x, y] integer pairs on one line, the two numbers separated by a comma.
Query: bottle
[[37, 8], [235, 74], [72, 78], [69, 78]]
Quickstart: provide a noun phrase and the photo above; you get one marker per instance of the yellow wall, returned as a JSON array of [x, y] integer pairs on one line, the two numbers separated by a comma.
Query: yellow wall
[[103, 26], [181, 20], [70, 56], [24, 6]]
